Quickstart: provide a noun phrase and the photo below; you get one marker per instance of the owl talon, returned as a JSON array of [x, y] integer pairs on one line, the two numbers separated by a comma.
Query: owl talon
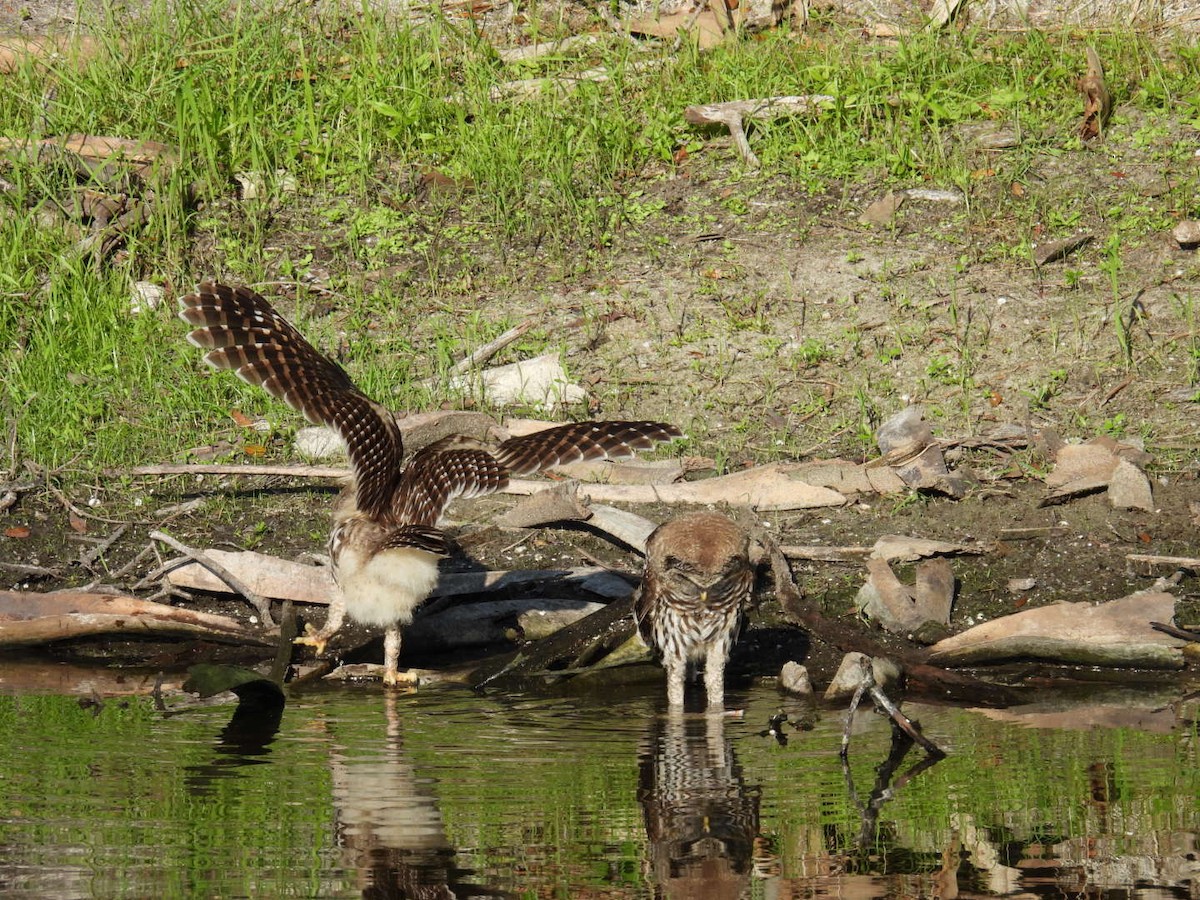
[[313, 638]]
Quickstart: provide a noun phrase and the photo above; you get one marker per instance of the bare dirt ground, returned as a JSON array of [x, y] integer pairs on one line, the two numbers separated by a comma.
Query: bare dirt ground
[[771, 323]]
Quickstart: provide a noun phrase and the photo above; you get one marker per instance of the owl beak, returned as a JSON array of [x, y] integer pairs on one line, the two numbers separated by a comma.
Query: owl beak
[[704, 595]]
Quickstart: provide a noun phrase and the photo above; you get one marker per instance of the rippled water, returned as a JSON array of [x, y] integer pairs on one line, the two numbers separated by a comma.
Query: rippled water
[[354, 792]]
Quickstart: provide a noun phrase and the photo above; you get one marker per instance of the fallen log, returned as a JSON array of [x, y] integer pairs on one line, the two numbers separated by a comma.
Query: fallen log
[[28, 618]]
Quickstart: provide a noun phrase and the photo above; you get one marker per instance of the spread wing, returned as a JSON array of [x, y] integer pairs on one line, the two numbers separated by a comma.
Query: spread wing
[[243, 332], [457, 466]]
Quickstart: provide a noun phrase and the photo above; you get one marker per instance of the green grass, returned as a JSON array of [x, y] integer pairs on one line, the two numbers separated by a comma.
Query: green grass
[[339, 115]]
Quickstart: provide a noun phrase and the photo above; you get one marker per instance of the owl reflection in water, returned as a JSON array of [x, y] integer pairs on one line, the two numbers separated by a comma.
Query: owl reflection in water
[[697, 579]]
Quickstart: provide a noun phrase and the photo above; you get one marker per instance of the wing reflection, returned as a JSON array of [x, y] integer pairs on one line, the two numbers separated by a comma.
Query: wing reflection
[[389, 825], [701, 819]]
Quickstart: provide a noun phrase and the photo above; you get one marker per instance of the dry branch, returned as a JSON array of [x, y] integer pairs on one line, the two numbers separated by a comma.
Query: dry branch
[[732, 113], [260, 603]]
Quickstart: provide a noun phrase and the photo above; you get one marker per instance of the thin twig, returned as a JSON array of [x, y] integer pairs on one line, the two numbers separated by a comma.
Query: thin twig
[[236, 469], [261, 604], [491, 348], [87, 558]]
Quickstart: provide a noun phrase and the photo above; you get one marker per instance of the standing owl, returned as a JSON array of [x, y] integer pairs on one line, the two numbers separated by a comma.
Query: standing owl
[[385, 543], [697, 579]]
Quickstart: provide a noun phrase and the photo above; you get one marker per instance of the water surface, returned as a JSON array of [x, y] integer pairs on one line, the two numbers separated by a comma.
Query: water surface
[[353, 792]]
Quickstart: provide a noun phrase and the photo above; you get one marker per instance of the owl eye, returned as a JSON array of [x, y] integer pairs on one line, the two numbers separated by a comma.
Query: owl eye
[[681, 584]]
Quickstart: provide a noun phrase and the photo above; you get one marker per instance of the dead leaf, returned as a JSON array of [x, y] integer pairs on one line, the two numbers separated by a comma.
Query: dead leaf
[[1097, 102], [883, 210], [20, 532], [78, 524], [241, 419], [255, 450]]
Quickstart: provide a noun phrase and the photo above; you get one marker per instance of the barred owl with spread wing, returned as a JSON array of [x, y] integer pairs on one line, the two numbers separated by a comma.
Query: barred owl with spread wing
[[385, 543]]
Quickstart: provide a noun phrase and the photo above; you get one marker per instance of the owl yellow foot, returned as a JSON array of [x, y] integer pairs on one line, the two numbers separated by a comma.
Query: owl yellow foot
[[313, 638]]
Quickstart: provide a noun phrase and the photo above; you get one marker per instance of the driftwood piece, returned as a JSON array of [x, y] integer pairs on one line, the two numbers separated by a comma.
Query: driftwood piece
[[1116, 633], [733, 113], [28, 618], [282, 579], [591, 641], [769, 487], [903, 610]]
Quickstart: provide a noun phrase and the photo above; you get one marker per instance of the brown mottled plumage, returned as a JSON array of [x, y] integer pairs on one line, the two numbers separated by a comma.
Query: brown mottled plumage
[[696, 580], [385, 543]]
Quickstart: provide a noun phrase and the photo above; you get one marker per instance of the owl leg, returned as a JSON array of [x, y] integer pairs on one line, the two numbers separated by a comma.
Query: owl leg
[[333, 623], [391, 659], [676, 674], [714, 673]]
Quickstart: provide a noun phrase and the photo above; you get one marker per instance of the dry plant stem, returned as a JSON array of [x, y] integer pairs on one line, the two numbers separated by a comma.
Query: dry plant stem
[[233, 469], [701, 6], [1182, 562], [261, 604]]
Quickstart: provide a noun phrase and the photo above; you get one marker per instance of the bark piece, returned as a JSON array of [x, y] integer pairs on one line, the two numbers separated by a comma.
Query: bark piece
[[883, 210], [31, 618], [1080, 469], [1116, 633], [560, 503], [907, 444], [770, 487], [908, 549], [902, 610], [607, 471], [1053, 251], [1129, 488]]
